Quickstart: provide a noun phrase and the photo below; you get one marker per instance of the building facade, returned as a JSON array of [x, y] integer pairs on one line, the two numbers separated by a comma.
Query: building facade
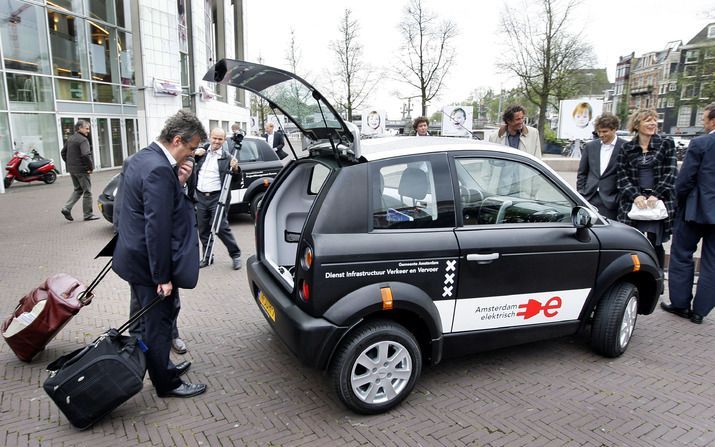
[[124, 65]]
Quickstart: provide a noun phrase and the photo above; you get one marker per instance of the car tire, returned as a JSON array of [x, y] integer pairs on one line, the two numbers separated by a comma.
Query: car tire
[[254, 204], [614, 320], [376, 367]]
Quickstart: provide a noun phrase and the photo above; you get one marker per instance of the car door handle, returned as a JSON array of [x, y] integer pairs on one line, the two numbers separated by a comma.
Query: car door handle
[[483, 259]]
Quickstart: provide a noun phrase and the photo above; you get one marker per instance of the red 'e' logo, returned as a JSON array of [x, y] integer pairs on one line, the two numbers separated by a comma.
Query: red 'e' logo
[[533, 307]]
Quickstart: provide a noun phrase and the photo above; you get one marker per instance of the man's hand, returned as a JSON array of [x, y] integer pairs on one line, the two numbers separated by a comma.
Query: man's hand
[[185, 171], [234, 165], [164, 289], [199, 152]]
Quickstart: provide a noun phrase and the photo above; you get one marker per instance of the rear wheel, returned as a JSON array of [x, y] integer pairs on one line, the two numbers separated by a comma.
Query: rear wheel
[[614, 320], [254, 204], [49, 178], [376, 367], [7, 181]]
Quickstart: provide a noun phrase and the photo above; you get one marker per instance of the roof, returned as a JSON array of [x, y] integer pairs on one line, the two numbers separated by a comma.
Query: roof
[[381, 148]]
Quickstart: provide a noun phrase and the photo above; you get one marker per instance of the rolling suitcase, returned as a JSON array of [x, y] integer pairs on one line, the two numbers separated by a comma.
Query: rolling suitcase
[[44, 311], [90, 382]]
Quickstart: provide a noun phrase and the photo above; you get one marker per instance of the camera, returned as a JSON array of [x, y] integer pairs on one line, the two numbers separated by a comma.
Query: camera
[[237, 138]]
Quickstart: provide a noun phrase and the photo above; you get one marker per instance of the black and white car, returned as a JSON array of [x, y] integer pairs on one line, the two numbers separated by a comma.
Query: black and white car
[[374, 257]]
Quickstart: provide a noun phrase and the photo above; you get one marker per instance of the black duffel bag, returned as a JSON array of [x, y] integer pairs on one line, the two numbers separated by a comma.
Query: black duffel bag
[[92, 381]]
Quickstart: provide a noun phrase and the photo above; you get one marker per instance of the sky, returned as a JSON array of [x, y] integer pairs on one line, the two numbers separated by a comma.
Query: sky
[[613, 27]]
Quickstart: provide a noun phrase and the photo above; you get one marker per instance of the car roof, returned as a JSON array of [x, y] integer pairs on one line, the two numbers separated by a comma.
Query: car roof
[[380, 148]]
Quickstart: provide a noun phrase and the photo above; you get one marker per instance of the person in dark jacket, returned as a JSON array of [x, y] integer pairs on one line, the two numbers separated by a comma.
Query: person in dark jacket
[[276, 140], [78, 159], [646, 173], [695, 190], [596, 179], [157, 249]]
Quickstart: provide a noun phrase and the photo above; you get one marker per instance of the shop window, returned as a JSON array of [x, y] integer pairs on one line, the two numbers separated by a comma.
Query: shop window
[[29, 93], [69, 45], [128, 96], [102, 10], [75, 6], [36, 131], [126, 57], [72, 90], [103, 52], [106, 93], [124, 13], [24, 41]]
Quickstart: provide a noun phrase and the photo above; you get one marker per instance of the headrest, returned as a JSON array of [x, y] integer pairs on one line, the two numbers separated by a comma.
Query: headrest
[[414, 183]]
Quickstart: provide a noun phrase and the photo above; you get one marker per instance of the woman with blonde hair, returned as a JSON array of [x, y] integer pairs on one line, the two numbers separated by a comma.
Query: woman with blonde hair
[[647, 168]]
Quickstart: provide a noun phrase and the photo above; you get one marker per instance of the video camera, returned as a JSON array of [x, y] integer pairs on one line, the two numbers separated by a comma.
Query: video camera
[[237, 138]]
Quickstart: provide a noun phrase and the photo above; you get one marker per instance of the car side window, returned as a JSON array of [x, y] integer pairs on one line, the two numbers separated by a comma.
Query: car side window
[[248, 152], [404, 196], [496, 191]]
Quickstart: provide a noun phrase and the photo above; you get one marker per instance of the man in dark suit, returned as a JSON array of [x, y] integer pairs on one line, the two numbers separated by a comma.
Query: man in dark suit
[[596, 179], [695, 220], [157, 248], [275, 140]]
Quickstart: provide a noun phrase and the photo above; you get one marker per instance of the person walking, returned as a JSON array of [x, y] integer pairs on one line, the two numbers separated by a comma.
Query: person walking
[[646, 170], [212, 164], [596, 178], [695, 221], [516, 134], [77, 155], [157, 249], [275, 140]]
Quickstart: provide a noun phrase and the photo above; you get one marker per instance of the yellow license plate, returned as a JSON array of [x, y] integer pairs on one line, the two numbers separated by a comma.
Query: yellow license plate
[[267, 306], [99, 205]]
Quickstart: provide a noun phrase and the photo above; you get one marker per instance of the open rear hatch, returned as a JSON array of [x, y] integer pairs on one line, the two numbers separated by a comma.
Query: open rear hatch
[[295, 98]]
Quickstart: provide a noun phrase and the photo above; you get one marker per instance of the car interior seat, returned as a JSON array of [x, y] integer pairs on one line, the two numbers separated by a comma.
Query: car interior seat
[[413, 184]]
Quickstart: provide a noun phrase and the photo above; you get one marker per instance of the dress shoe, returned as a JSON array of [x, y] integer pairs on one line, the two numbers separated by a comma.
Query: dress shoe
[[679, 311], [182, 368], [203, 263], [236, 263], [178, 346], [92, 217], [67, 214], [697, 319], [185, 390]]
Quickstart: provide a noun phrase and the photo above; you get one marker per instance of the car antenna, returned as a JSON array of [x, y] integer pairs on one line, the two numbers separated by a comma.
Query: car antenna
[[317, 96], [280, 126], [460, 125]]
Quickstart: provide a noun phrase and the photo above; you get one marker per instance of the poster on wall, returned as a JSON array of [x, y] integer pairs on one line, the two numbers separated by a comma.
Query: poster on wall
[[373, 122], [457, 121], [576, 118]]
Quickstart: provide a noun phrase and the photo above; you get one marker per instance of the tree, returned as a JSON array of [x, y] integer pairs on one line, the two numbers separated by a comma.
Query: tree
[[542, 53], [354, 79], [427, 52], [259, 107]]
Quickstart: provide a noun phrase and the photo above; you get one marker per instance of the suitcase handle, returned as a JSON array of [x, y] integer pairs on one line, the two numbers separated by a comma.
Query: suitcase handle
[[134, 318], [86, 296]]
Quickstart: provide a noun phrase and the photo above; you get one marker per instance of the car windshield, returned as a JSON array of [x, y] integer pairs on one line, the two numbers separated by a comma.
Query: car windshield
[[249, 151]]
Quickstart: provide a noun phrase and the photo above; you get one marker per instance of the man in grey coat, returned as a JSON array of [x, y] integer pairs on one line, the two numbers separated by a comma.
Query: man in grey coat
[[596, 179], [78, 158]]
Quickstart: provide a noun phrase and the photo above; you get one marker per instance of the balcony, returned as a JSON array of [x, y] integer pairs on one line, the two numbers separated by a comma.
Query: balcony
[[646, 90]]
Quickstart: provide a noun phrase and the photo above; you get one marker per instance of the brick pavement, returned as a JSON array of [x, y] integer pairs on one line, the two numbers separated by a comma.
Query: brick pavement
[[555, 393]]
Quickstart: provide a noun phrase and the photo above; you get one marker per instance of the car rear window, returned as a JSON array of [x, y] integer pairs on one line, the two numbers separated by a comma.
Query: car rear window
[[404, 196]]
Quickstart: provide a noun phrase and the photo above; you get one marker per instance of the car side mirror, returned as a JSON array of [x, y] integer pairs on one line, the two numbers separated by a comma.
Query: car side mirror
[[582, 219]]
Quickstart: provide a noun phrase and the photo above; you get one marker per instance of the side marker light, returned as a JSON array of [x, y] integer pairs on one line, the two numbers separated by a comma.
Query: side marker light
[[636, 263], [386, 294]]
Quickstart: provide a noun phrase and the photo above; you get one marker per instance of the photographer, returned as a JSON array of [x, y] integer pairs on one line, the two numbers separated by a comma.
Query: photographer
[[212, 164]]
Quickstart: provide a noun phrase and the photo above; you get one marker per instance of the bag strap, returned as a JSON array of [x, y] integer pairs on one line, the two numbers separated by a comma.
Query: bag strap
[[134, 318], [86, 296]]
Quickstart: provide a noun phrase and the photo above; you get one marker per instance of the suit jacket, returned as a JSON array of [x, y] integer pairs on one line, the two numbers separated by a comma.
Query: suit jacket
[[157, 240], [695, 185], [278, 140], [590, 181]]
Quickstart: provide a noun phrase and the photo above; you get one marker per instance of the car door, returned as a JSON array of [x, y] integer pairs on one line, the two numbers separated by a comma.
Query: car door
[[520, 261]]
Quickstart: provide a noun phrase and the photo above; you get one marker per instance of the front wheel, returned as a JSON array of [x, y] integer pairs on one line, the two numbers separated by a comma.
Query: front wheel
[[7, 181], [376, 367], [49, 178], [614, 320]]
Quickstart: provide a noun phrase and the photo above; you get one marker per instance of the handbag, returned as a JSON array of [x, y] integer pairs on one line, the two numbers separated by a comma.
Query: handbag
[[659, 212]]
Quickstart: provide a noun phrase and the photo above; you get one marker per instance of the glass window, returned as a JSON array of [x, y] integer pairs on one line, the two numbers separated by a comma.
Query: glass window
[[684, 114], [67, 5], [6, 147], [106, 93], [688, 91], [102, 10], [128, 96], [211, 31], [404, 196], [130, 126], [671, 102], [691, 56], [125, 51], [24, 41], [183, 29], [36, 131], [69, 45], [3, 106], [690, 70], [124, 13], [103, 53], [29, 93], [72, 90], [495, 191]]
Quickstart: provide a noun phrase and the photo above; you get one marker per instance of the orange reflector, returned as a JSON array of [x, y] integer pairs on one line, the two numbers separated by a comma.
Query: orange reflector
[[386, 293], [636, 263]]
